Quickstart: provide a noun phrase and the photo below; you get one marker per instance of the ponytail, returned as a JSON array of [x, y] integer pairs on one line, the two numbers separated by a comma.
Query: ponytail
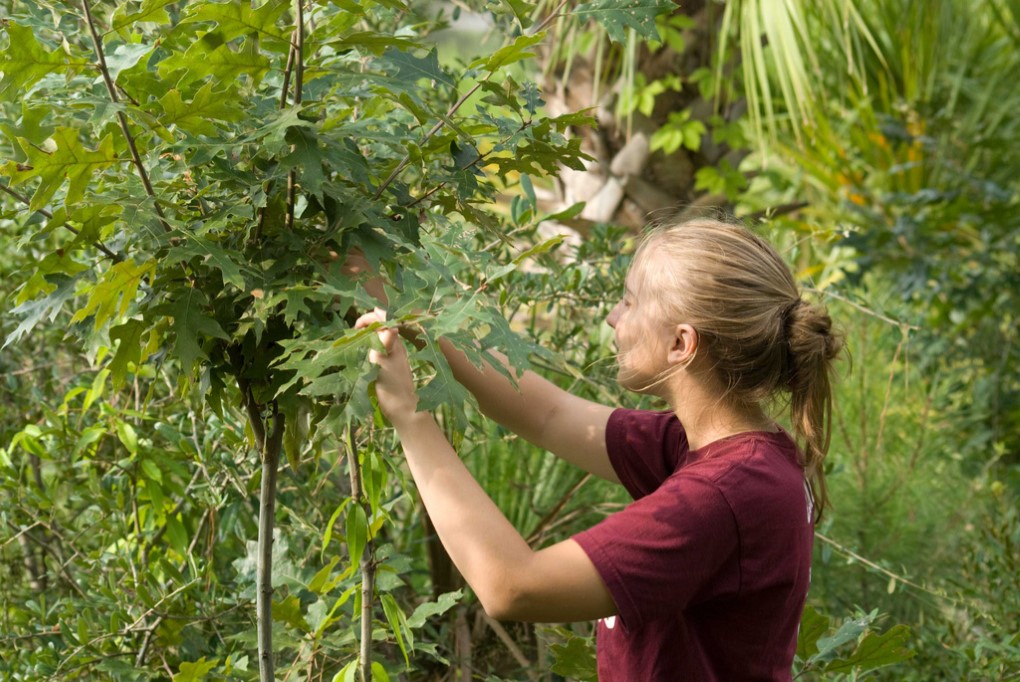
[[812, 345]]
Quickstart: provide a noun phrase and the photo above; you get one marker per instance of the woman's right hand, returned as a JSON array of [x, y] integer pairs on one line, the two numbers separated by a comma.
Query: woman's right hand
[[394, 386]]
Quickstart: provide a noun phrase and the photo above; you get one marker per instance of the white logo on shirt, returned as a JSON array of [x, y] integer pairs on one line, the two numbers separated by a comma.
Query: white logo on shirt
[[609, 622]]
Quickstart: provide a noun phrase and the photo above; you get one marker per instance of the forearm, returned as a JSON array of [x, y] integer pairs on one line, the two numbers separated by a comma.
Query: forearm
[[483, 545], [524, 408]]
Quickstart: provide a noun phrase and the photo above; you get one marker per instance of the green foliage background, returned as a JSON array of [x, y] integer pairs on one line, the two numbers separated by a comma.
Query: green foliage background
[[173, 242]]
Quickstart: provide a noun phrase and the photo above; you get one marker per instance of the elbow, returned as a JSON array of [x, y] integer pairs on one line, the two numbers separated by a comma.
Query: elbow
[[504, 600], [499, 603]]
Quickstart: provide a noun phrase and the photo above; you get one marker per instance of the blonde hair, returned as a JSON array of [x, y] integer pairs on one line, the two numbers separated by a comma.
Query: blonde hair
[[762, 339]]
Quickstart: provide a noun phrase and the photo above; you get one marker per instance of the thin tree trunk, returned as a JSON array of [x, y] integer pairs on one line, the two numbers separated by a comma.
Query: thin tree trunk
[[366, 564]]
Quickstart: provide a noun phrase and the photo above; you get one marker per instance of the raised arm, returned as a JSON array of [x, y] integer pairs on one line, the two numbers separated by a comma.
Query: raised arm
[[556, 584], [542, 413], [539, 411]]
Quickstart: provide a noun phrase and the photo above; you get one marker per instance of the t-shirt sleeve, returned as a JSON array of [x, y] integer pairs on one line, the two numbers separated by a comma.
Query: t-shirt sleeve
[[673, 548], [644, 448]]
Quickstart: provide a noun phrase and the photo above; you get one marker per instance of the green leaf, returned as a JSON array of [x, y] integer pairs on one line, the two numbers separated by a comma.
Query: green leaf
[[96, 391], [306, 157], [196, 117], [190, 324], [289, 611], [850, 630], [514, 52], [812, 626], [423, 612], [232, 272], [538, 249], [522, 10], [126, 434], [575, 659], [194, 672], [126, 56], [47, 307], [398, 625], [151, 11], [322, 575], [347, 673], [617, 15], [177, 535], [25, 62], [151, 471], [412, 69], [70, 161], [129, 350], [357, 532], [876, 651], [236, 19], [208, 58]]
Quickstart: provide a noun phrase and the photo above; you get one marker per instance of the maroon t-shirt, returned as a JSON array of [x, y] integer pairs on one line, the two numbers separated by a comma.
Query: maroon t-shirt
[[710, 566]]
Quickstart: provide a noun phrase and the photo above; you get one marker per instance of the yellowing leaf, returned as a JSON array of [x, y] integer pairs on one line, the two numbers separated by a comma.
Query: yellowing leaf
[[25, 62], [70, 160], [114, 292]]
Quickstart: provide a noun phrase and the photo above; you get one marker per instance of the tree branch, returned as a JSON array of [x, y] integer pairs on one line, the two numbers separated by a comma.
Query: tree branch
[[28, 202], [457, 105], [112, 89]]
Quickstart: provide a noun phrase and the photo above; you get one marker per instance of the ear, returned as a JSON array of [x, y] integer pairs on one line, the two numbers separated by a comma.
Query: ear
[[684, 345]]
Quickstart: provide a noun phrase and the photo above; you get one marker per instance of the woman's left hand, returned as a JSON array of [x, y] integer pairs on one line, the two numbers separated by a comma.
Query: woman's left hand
[[394, 387]]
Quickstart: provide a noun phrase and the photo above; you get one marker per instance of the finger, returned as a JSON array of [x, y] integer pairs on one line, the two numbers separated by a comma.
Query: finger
[[388, 337], [368, 319]]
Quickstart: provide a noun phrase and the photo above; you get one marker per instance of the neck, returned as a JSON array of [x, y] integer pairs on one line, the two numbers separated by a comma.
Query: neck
[[707, 416]]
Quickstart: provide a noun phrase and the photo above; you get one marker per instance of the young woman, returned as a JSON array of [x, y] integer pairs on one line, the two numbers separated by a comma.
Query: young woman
[[705, 575]]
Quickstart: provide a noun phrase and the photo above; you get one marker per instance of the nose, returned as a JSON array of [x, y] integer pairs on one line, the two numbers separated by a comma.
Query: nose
[[614, 316]]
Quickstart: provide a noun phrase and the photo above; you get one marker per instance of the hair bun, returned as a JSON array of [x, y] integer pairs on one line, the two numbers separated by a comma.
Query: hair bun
[[809, 332]]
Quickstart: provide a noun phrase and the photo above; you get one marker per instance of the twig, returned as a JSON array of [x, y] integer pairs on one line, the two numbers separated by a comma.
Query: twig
[[28, 202], [64, 572], [867, 311], [112, 89], [510, 645], [435, 129], [872, 565], [453, 109], [144, 649], [548, 20], [158, 535], [20, 532], [776, 211], [541, 526]]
